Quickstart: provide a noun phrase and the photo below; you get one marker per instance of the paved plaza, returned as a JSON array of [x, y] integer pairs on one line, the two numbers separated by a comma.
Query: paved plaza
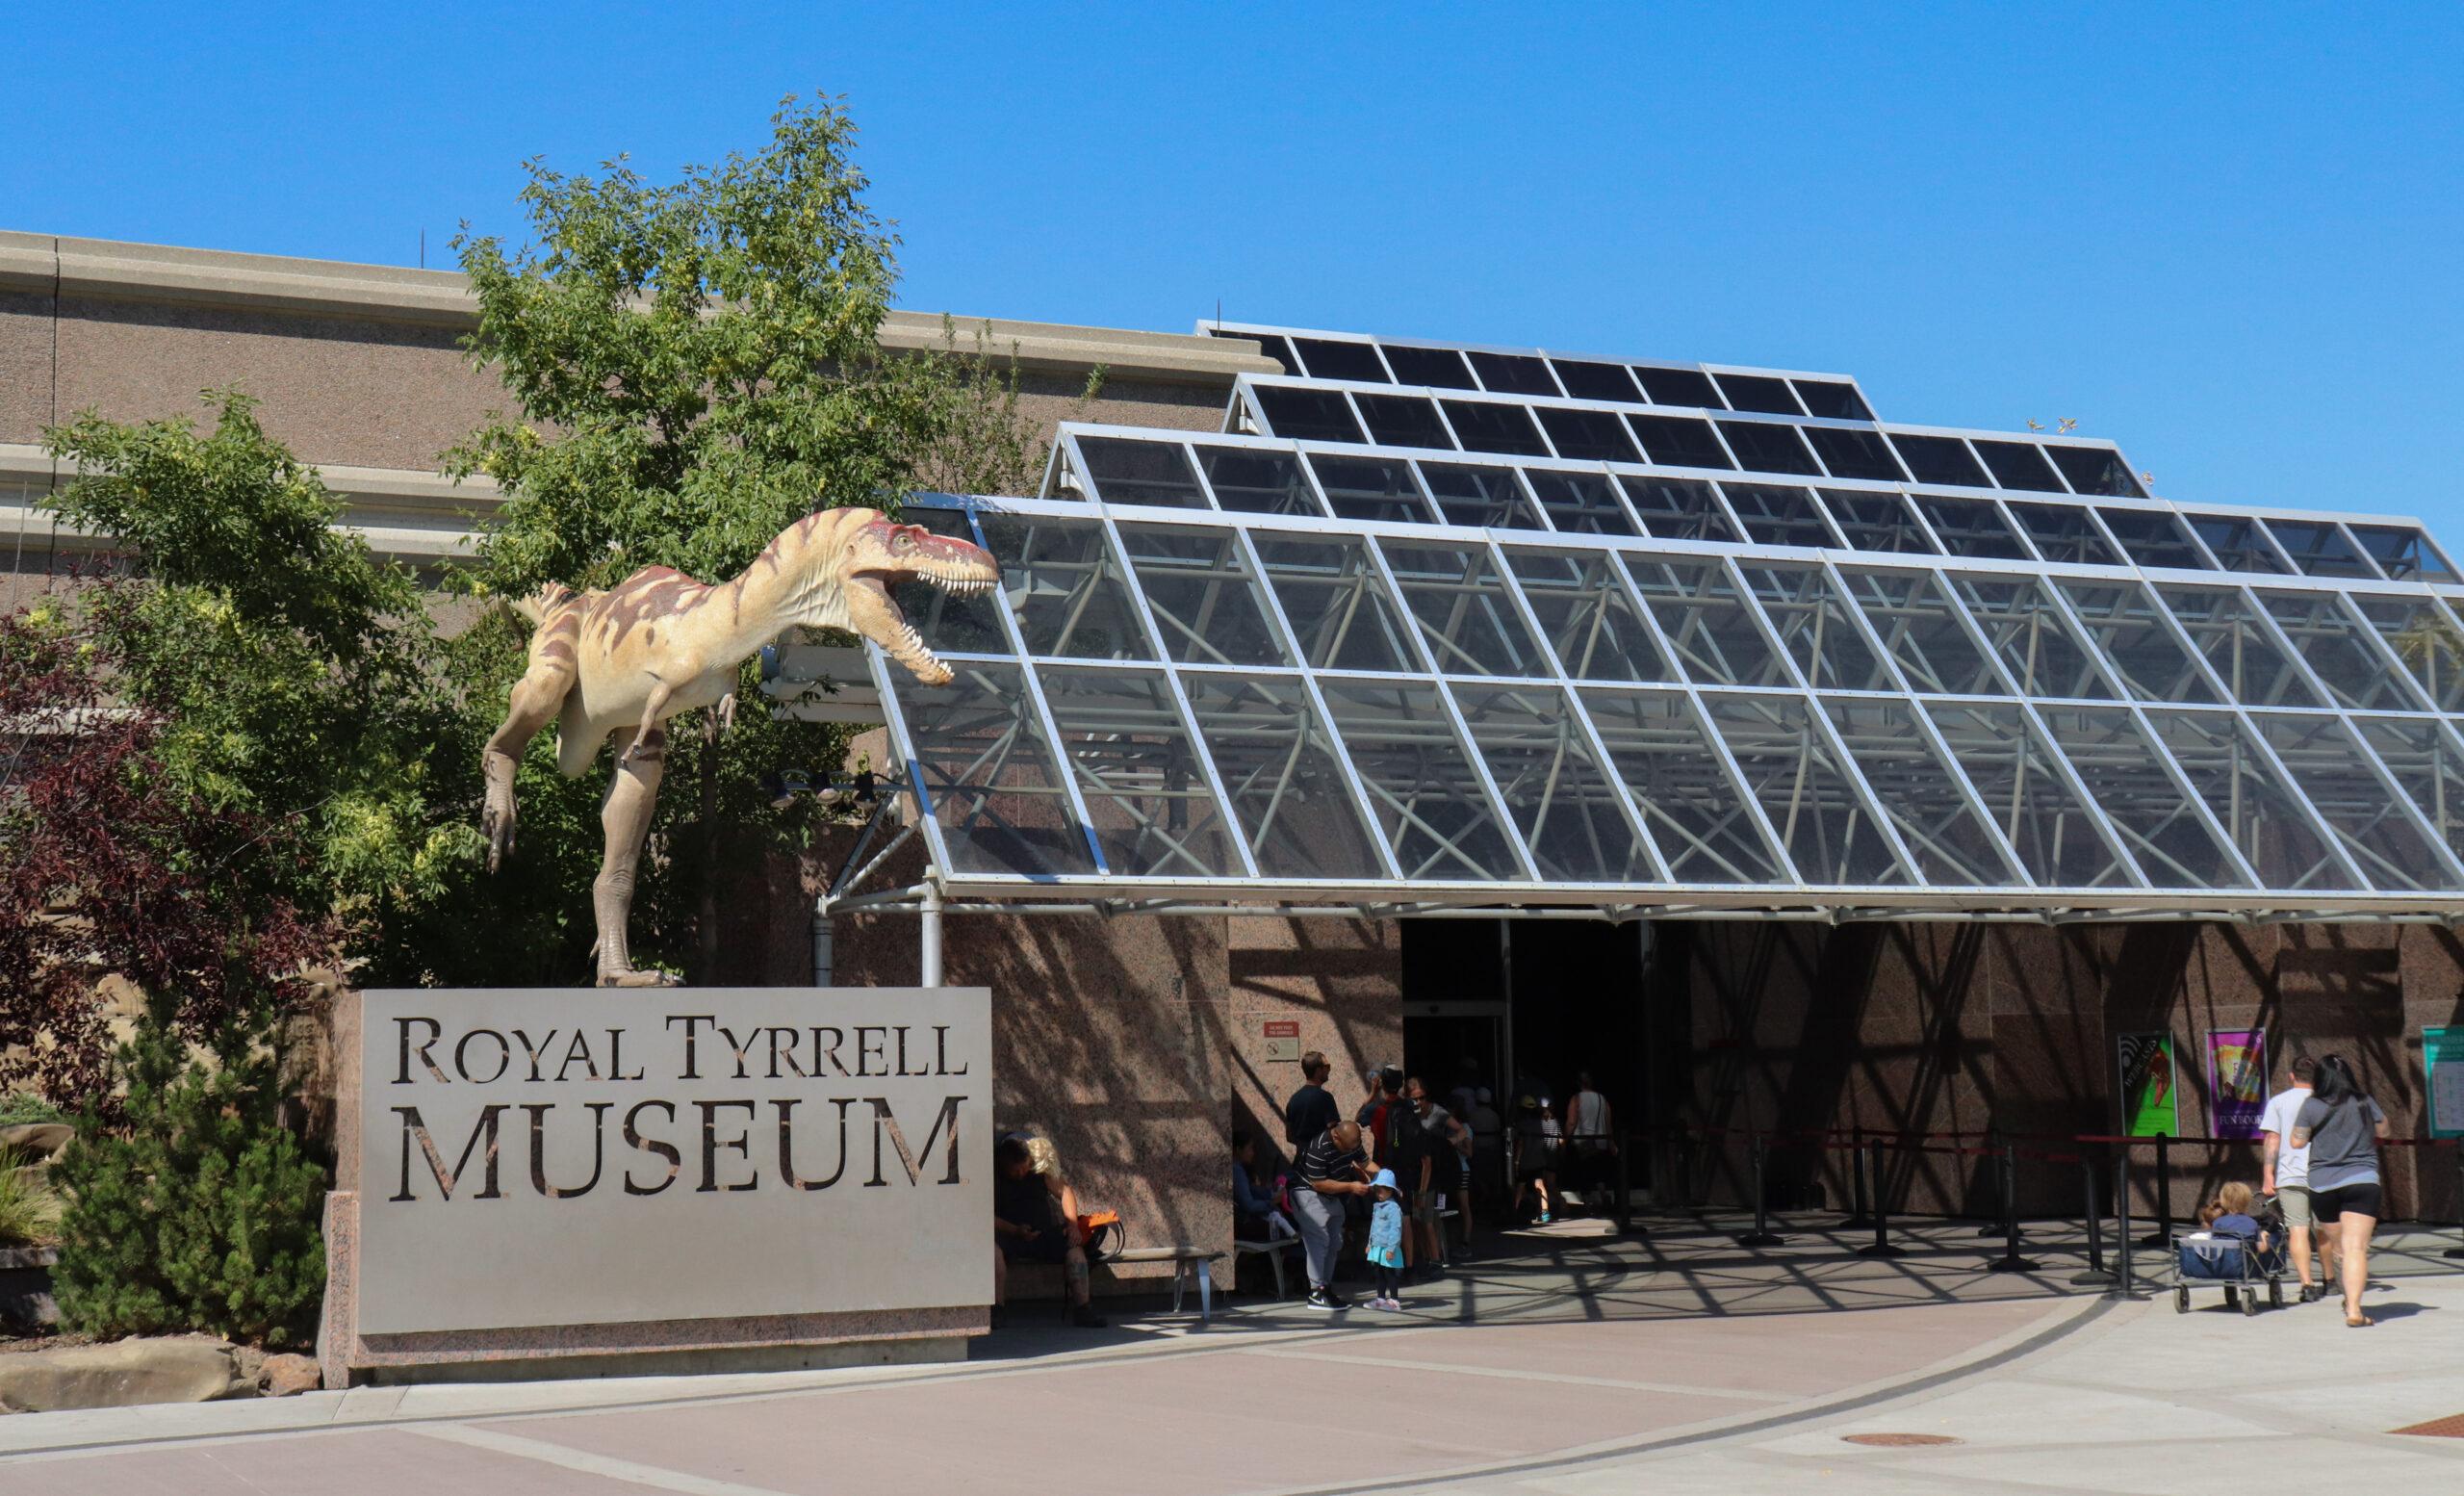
[[1565, 1361]]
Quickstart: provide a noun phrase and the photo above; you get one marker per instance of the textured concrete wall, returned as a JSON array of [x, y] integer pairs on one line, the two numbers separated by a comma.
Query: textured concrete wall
[[1965, 1028], [1341, 981]]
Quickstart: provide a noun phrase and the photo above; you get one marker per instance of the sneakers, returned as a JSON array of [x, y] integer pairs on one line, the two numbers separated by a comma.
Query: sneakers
[[1085, 1318], [1386, 1303], [1545, 1219], [1324, 1297], [2312, 1293]]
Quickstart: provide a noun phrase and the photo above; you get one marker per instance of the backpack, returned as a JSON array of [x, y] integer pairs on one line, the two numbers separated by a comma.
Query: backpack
[[1406, 1143]]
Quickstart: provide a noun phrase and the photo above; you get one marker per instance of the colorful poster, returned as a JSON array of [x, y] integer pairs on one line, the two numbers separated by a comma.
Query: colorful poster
[[2443, 1054], [2237, 1081], [2150, 1085]]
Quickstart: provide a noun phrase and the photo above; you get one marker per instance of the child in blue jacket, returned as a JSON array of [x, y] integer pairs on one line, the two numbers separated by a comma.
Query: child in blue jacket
[[1386, 1239]]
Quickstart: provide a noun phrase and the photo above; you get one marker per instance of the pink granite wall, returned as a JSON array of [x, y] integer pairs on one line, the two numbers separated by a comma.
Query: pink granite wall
[[1341, 981]]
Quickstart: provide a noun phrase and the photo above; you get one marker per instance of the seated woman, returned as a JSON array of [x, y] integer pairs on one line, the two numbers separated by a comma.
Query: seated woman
[[1035, 1219], [1254, 1217]]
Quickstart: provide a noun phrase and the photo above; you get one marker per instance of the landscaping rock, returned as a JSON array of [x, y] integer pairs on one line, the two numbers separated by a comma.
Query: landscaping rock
[[173, 1369], [37, 1140], [289, 1376]]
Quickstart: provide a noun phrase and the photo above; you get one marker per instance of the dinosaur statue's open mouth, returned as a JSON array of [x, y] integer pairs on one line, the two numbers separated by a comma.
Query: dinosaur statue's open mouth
[[913, 555]]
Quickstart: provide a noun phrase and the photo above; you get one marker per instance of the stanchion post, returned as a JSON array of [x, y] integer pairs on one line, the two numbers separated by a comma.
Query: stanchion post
[[2163, 1235], [1761, 1235], [2010, 1261], [1881, 1247], [1861, 1216], [1625, 1191], [2458, 1252], [2095, 1274], [2122, 1286], [1992, 1226]]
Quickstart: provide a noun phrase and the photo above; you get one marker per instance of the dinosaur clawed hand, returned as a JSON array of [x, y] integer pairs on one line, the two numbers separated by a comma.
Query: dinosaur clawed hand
[[632, 978], [496, 815]]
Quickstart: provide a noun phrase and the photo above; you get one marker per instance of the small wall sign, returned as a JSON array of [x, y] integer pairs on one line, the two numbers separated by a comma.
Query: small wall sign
[[1283, 1039]]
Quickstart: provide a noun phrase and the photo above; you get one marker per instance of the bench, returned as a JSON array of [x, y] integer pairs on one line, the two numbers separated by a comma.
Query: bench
[[1274, 1251], [1187, 1262]]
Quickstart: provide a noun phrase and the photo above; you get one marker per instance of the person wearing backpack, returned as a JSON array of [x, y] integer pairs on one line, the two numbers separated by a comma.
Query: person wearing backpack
[[2341, 1126]]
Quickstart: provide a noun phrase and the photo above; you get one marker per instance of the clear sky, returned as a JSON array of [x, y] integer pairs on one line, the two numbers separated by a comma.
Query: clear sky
[[2226, 237]]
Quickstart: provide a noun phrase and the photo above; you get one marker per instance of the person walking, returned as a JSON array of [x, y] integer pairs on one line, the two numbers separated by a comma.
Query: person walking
[[2341, 1127], [1591, 1137], [1536, 1141], [1328, 1168], [2285, 1173]]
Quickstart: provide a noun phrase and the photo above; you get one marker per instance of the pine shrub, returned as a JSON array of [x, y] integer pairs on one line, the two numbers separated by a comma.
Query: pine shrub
[[197, 1210]]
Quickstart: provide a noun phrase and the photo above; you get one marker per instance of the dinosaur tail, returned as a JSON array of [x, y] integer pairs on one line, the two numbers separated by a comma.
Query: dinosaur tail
[[537, 604]]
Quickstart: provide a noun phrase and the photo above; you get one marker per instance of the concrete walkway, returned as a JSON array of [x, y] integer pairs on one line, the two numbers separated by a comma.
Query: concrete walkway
[[1568, 1362]]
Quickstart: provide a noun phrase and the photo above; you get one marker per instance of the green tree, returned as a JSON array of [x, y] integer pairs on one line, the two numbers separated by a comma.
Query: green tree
[[695, 366]]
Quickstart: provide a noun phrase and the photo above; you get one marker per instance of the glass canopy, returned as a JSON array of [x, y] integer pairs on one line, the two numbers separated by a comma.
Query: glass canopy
[[1460, 626]]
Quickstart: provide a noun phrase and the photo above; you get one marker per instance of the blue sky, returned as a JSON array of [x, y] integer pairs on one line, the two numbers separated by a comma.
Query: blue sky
[[2227, 238]]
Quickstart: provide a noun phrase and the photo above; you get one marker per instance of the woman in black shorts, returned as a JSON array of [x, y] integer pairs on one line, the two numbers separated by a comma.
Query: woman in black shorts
[[2342, 1128]]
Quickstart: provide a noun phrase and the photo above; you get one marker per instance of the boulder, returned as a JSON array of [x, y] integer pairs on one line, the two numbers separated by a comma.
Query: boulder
[[37, 1140], [171, 1369], [289, 1376]]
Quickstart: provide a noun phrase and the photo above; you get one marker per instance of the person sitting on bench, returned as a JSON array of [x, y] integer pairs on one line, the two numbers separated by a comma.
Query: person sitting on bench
[[1254, 1216], [1035, 1219]]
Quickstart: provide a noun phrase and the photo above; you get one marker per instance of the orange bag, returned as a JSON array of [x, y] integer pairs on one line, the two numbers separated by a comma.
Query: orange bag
[[1102, 1234]]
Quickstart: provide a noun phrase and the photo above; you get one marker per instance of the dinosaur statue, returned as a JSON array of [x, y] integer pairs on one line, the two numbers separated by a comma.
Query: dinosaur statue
[[618, 663]]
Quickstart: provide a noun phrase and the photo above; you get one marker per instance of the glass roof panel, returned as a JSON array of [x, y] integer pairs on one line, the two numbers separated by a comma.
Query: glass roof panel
[[2134, 784], [1832, 398], [1487, 426], [1065, 587], [2365, 813], [1925, 632], [1440, 368], [2268, 823], [1767, 447], [1134, 472], [2038, 648], [1759, 391], [2320, 548], [1142, 782], [1271, 345], [1925, 798], [1679, 387], [2426, 760], [1679, 509], [1483, 498], [2227, 628], [989, 773], [1850, 453], [1702, 824], [1716, 635], [2238, 543], [2018, 465], [1817, 627], [1780, 516], [1199, 591], [1307, 415], [1680, 441], [2154, 538], [951, 622], [1570, 813], [2425, 640], [1371, 488], [1341, 615], [2342, 655], [1466, 613], [1257, 483], [1596, 382], [2126, 622], [2030, 796], [1427, 798], [1582, 605], [1939, 459], [1811, 801], [1972, 528], [1878, 522], [1513, 373], [2405, 554], [2065, 533], [1330, 358], [1284, 775], [2096, 469], [1404, 421], [1588, 435], [1580, 504]]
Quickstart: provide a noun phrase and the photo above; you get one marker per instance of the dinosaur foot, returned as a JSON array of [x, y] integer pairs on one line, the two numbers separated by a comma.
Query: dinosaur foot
[[632, 978]]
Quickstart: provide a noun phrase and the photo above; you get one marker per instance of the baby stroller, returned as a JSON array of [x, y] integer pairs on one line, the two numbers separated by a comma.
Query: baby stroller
[[2220, 1260]]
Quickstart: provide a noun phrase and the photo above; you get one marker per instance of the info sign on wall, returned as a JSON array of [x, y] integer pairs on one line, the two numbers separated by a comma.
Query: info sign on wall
[[573, 1157]]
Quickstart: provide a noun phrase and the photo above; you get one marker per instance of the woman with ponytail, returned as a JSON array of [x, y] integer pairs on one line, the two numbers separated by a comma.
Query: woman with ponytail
[[2341, 1126]]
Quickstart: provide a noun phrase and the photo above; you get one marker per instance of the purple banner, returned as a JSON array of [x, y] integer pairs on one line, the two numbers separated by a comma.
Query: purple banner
[[2237, 1081]]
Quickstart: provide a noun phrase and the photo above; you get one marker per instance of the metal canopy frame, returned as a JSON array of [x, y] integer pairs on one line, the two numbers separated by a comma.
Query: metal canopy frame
[[1224, 682]]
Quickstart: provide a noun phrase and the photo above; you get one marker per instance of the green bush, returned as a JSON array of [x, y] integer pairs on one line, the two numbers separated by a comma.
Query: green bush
[[29, 1208], [200, 1211], [24, 1106]]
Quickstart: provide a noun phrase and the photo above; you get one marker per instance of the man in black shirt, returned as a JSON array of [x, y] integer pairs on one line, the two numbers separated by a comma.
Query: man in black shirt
[[1327, 1168], [1312, 1109]]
